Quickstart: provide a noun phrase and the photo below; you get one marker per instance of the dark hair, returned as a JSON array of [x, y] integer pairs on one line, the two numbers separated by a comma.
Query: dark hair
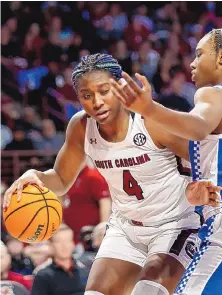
[[216, 39], [96, 62]]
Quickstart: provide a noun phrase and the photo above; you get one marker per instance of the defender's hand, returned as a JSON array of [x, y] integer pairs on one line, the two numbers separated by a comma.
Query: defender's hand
[[131, 95], [203, 193]]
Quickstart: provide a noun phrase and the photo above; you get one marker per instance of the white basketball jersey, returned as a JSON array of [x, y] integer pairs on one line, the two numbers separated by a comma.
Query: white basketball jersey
[[144, 181]]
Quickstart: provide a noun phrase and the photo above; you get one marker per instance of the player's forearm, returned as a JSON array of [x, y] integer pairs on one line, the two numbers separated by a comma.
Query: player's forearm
[[185, 125], [52, 181]]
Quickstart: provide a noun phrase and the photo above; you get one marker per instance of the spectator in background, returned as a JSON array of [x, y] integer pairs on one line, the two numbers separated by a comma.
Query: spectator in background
[[19, 262], [87, 202], [135, 34], [119, 21], [6, 136], [30, 120], [33, 43], [19, 141], [141, 16], [63, 275], [38, 253], [122, 53], [60, 37], [148, 59], [7, 274], [50, 139], [172, 97]]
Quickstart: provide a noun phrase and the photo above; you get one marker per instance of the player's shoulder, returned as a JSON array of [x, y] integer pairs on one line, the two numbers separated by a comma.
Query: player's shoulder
[[208, 94], [79, 119], [77, 127]]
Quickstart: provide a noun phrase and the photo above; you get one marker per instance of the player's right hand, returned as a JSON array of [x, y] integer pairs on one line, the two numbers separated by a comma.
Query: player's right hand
[[29, 177]]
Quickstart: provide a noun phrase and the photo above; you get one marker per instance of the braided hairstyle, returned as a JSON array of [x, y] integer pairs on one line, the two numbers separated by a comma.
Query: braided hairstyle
[[96, 62], [216, 39]]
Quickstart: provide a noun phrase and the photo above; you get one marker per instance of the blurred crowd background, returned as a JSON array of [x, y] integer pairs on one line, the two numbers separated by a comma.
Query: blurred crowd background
[[41, 42]]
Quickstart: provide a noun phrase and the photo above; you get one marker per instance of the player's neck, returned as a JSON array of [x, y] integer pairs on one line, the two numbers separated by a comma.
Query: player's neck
[[117, 130], [218, 81]]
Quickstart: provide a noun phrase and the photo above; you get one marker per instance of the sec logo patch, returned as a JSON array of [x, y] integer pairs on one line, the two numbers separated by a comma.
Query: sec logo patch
[[139, 139]]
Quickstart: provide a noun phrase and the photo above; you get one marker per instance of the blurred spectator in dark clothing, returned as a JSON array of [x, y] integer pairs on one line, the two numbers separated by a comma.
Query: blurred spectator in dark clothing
[[67, 90], [63, 275], [7, 274], [135, 34], [10, 46], [50, 79], [87, 202], [50, 82], [51, 52], [141, 16], [33, 43], [85, 251], [50, 140], [30, 120], [19, 262], [148, 59], [67, 96], [73, 50], [118, 21], [122, 54], [19, 141], [172, 97], [62, 37]]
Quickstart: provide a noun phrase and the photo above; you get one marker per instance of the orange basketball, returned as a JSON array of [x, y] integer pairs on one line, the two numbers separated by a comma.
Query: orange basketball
[[36, 217]]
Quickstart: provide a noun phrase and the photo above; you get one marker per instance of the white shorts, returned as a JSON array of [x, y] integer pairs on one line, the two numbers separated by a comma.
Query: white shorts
[[126, 241], [204, 275]]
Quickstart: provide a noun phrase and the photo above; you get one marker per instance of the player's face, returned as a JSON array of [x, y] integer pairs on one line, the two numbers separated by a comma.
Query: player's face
[[205, 67], [95, 95]]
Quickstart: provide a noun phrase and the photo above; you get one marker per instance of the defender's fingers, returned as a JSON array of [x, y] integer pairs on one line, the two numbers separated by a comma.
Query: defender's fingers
[[135, 87]]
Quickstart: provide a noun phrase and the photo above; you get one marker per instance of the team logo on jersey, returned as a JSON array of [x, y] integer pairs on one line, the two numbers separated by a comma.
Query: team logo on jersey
[[139, 139], [93, 141], [191, 249]]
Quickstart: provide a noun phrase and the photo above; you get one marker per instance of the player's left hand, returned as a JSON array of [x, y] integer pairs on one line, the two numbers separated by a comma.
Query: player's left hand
[[203, 193], [131, 95]]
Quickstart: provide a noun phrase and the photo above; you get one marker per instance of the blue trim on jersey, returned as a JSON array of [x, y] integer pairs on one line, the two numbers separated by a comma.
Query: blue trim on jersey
[[214, 285], [194, 153], [205, 232], [206, 229], [219, 165]]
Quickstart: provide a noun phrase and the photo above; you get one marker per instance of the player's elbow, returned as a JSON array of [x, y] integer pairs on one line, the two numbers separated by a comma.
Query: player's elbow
[[200, 132], [199, 135]]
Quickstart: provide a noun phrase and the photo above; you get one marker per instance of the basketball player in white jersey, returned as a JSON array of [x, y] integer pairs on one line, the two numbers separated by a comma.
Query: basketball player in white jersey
[[152, 223], [204, 275]]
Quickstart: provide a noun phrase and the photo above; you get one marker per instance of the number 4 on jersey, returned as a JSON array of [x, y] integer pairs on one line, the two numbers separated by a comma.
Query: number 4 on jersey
[[131, 186]]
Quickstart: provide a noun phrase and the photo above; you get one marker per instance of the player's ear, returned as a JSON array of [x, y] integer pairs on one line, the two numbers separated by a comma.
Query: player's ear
[[219, 59]]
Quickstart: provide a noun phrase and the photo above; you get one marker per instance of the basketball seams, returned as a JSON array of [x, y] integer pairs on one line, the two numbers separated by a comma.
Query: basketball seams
[[47, 227], [56, 212], [41, 197], [31, 221], [33, 202], [36, 193]]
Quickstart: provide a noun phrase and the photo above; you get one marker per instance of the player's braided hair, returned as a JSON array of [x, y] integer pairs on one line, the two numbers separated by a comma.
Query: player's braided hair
[[216, 39], [95, 62]]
